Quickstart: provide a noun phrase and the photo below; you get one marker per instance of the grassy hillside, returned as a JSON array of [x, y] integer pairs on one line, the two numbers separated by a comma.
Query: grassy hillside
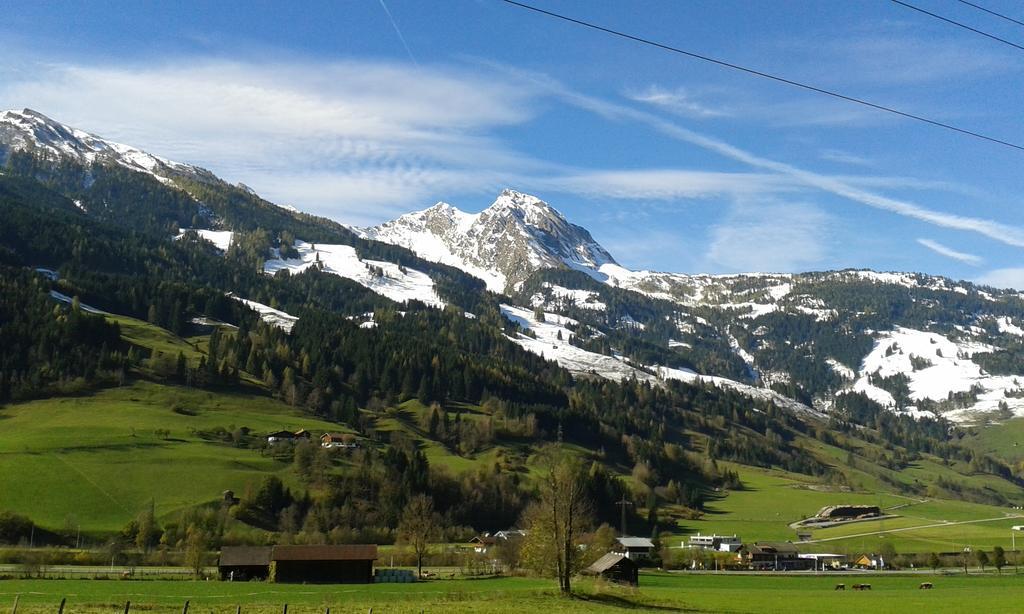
[[97, 459]]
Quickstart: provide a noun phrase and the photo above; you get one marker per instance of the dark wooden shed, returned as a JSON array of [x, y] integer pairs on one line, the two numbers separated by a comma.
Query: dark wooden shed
[[349, 564], [617, 568], [245, 563]]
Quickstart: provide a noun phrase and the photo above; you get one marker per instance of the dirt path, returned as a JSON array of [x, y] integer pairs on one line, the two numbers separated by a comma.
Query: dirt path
[[944, 523]]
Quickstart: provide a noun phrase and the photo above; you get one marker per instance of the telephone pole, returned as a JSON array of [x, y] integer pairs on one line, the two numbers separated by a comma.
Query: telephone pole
[[623, 503]]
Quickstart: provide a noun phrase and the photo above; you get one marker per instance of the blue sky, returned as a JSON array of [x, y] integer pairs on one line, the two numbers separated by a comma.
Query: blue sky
[[671, 163]]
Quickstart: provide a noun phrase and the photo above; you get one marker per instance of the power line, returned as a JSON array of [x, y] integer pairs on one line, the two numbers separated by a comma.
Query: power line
[[765, 75], [991, 12], [958, 24]]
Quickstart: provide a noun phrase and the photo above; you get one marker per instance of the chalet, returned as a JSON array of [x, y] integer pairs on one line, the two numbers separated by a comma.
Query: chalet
[[778, 556], [719, 543], [336, 440], [634, 548], [616, 568], [869, 561], [245, 563], [348, 564], [485, 541]]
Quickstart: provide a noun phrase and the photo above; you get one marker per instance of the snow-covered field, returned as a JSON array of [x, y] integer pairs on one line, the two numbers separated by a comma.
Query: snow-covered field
[[943, 368], [64, 298], [399, 284], [584, 299], [220, 238], [270, 315]]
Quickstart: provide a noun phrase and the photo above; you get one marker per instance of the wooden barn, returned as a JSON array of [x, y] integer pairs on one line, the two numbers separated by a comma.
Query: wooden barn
[[616, 568], [348, 564], [245, 563]]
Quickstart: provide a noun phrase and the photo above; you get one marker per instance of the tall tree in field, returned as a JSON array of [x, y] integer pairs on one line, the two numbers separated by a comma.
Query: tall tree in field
[[999, 558], [556, 522], [195, 550], [420, 525]]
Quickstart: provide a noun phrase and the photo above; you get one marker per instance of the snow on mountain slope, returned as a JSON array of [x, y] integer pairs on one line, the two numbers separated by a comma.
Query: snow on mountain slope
[[274, 317], [29, 130], [937, 369], [584, 299], [551, 340], [398, 283], [220, 238], [502, 245]]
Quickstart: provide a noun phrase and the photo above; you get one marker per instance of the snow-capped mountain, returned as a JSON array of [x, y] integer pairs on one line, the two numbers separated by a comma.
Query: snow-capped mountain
[[503, 244], [32, 132]]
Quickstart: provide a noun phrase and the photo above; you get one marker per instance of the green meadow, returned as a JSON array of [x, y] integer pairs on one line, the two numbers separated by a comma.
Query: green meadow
[[657, 592]]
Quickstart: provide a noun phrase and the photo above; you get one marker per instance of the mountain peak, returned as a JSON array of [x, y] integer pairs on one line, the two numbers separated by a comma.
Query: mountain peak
[[503, 244]]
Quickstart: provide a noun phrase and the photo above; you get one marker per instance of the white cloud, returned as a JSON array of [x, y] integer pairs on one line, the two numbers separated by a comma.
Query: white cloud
[[664, 184], [1003, 278], [949, 252], [770, 237], [845, 157]]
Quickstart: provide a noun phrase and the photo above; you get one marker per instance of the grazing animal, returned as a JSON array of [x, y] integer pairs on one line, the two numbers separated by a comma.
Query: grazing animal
[[925, 585], [861, 587], [840, 587]]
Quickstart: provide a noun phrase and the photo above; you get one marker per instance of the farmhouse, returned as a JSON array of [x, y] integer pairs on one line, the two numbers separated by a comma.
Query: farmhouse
[[634, 548], [348, 564], [337, 440], [616, 568], [772, 556], [245, 563], [869, 561], [720, 543], [280, 436], [485, 541]]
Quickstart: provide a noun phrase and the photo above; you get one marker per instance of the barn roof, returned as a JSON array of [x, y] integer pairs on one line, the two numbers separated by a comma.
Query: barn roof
[[635, 542], [348, 552], [245, 556], [608, 561]]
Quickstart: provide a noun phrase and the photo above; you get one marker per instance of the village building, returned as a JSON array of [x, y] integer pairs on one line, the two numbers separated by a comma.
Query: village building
[[822, 562], [719, 543], [483, 543], [634, 548], [615, 567], [777, 556], [244, 563], [869, 561]]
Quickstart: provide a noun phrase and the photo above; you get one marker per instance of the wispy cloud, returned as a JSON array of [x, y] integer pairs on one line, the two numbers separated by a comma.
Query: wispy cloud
[[949, 252], [845, 157], [680, 101], [998, 231]]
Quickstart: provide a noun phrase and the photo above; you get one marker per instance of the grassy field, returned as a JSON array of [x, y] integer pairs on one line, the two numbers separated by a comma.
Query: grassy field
[[657, 592], [772, 499]]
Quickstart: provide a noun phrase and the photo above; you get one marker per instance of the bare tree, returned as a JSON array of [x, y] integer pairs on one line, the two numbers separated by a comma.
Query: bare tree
[[556, 522], [420, 525]]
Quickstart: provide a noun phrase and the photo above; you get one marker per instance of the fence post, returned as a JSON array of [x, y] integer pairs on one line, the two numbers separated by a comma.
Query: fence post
[[60, 610], [285, 609], [14, 610], [184, 610], [238, 609], [127, 606]]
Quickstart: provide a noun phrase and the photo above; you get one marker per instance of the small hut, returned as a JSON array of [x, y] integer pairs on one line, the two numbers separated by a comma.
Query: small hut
[[616, 568]]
